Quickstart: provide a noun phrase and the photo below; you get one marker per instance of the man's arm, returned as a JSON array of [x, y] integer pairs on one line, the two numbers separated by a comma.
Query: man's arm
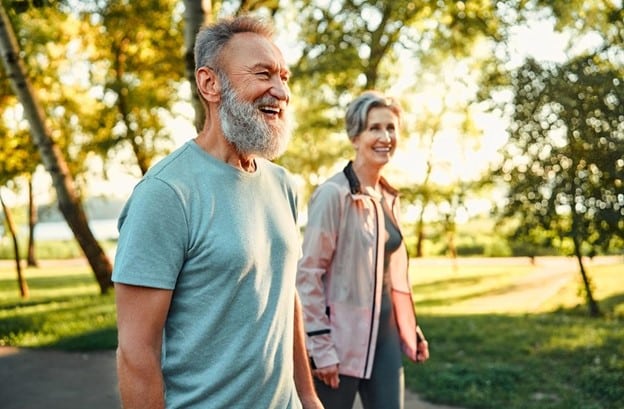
[[141, 315], [303, 377]]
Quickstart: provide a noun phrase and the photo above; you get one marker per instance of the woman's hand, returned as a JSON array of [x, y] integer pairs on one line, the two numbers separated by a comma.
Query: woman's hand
[[422, 346], [329, 375]]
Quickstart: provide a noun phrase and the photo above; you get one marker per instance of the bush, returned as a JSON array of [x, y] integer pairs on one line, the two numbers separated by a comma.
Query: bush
[[472, 249]]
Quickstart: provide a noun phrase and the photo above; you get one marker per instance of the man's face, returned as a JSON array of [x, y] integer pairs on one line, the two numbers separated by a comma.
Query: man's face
[[254, 96]]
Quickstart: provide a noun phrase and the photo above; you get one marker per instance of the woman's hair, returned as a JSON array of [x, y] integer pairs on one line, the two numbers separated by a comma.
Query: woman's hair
[[358, 109], [211, 39]]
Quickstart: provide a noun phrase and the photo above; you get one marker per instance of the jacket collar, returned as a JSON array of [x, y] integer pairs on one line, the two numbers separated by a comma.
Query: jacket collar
[[354, 182]]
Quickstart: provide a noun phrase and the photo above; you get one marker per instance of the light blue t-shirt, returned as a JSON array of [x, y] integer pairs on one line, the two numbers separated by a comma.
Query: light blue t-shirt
[[226, 242]]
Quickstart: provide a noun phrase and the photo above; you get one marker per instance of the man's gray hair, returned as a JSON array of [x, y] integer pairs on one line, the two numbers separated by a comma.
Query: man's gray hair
[[357, 111], [211, 39]]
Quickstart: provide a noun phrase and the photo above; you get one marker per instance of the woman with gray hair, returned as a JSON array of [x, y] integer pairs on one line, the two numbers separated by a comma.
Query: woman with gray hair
[[353, 275]]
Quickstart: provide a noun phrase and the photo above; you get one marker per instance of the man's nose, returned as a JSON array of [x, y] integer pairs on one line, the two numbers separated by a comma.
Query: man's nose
[[280, 90]]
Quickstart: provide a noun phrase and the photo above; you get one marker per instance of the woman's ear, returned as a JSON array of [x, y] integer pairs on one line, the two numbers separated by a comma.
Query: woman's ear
[[208, 84]]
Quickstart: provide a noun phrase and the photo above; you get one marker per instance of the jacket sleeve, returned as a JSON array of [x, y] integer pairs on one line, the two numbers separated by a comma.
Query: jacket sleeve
[[319, 243]]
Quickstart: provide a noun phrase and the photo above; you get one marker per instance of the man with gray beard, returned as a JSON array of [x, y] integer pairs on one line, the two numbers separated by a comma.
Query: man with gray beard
[[207, 311], [244, 127]]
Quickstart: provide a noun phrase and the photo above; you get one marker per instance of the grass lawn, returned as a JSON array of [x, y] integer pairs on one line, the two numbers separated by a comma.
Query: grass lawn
[[555, 357], [64, 310]]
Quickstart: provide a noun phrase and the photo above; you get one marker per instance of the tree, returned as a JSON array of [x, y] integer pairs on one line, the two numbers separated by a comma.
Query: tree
[[21, 280], [564, 163], [52, 157], [19, 159], [196, 14], [566, 135], [31, 258], [136, 71]]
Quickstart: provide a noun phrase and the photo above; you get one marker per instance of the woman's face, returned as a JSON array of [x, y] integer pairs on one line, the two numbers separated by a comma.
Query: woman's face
[[377, 143]]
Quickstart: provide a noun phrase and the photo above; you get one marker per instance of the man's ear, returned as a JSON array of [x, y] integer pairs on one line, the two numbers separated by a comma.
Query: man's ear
[[208, 84]]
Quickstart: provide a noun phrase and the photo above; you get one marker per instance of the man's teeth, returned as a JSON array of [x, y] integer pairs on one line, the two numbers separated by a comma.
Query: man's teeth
[[270, 110]]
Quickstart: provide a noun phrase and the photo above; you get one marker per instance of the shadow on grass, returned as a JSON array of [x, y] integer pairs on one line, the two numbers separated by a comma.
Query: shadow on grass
[[459, 281], [560, 360], [610, 307], [42, 302], [476, 293], [101, 339]]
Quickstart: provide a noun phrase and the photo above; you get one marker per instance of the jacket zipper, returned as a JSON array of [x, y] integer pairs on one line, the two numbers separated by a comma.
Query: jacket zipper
[[373, 309]]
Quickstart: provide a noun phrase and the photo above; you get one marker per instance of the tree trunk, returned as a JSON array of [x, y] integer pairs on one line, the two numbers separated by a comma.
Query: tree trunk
[[449, 226], [196, 14], [594, 309], [21, 281], [420, 237], [32, 221], [52, 157]]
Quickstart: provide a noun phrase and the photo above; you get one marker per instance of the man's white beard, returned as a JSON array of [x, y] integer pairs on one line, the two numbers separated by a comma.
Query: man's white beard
[[245, 128]]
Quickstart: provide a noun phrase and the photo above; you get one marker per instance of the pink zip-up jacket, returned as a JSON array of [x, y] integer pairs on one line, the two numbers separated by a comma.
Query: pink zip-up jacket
[[340, 276]]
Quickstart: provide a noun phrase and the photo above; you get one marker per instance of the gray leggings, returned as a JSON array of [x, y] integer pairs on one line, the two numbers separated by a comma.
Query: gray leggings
[[385, 388]]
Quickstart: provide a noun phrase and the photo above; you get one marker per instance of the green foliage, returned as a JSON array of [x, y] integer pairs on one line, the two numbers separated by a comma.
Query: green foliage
[[139, 66], [105, 78], [564, 161]]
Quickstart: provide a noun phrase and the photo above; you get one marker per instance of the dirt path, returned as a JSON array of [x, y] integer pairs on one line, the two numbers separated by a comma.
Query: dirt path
[[528, 293], [38, 379]]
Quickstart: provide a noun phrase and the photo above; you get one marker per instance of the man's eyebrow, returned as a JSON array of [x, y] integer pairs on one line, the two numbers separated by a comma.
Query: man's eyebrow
[[271, 67], [262, 65]]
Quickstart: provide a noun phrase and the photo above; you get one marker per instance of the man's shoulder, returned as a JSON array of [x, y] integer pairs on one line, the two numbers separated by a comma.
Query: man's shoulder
[[174, 162], [279, 172]]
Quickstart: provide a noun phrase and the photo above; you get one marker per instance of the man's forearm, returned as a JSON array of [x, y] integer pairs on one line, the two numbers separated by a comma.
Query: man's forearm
[[141, 384], [303, 373]]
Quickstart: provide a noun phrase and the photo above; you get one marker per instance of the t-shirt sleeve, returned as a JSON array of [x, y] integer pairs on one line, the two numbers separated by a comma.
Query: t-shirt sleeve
[[153, 237]]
